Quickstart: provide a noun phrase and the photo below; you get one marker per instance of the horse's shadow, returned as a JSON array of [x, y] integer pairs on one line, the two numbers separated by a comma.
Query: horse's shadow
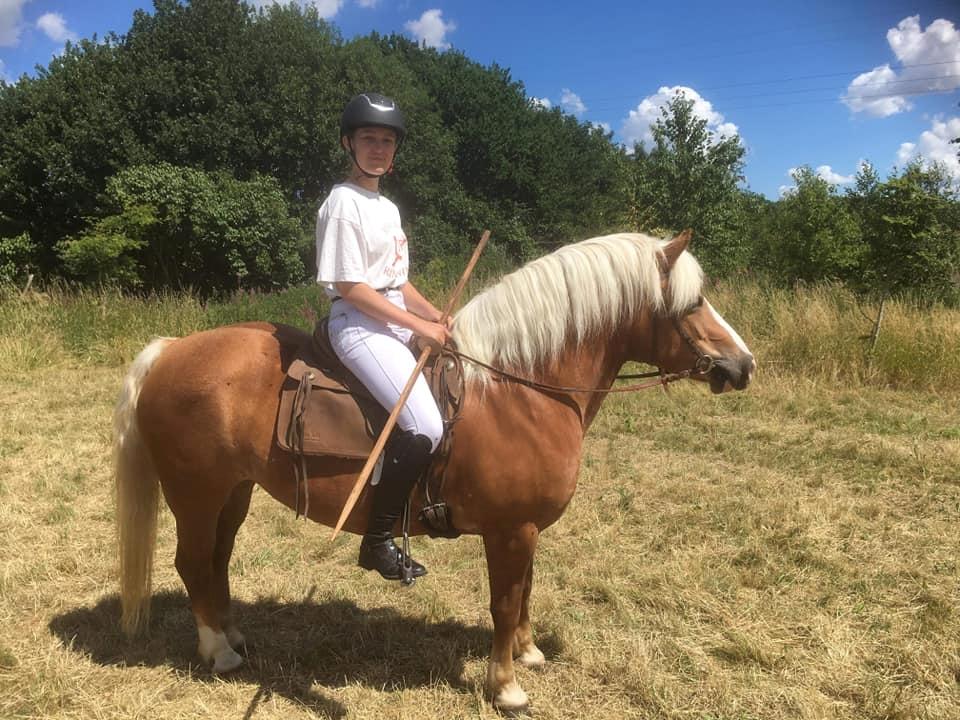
[[290, 646]]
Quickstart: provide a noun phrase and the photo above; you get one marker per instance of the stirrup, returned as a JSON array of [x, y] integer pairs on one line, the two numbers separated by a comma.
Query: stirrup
[[387, 559]]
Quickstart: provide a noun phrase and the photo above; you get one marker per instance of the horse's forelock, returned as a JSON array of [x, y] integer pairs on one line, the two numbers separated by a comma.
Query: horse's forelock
[[533, 313], [685, 283]]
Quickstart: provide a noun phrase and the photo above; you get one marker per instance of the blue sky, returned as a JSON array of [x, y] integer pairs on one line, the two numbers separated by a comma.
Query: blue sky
[[826, 84]]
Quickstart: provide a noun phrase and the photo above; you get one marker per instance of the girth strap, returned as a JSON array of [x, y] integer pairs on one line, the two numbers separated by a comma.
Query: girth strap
[[295, 435]]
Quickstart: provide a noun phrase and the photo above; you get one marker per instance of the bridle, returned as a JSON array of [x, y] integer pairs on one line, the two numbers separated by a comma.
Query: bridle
[[703, 365]]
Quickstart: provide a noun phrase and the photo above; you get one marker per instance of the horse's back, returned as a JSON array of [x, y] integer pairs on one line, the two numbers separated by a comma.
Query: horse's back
[[212, 397]]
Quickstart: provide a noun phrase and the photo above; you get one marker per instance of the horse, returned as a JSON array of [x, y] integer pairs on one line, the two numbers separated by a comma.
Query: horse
[[196, 419]]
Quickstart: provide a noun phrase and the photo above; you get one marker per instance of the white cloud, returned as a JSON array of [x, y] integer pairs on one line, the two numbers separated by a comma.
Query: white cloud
[[825, 172], [367, 3], [325, 8], [931, 63], [11, 21], [543, 103], [54, 26], [934, 146], [603, 126], [571, 102], [431, 30], [3, 74], [636, 127], [906, 153]]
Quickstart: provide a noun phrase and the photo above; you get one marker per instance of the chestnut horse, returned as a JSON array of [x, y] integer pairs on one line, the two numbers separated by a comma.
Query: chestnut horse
[[196, 419]]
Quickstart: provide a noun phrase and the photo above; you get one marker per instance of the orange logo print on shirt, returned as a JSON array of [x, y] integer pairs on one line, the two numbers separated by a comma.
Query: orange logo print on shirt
[[400, 242]]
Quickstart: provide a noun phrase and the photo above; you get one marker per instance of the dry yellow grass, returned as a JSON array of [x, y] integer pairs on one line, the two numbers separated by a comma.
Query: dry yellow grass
[[790, 552]]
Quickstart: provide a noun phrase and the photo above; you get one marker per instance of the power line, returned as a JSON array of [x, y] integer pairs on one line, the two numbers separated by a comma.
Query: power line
[[858, 96], [602, 103], [824, 75], [813, 101]]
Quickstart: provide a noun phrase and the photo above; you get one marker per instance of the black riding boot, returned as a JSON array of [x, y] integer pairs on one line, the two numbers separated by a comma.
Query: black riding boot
[[406, 457]]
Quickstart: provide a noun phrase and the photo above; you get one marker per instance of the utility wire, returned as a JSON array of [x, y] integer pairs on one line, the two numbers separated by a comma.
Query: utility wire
[[813, 101], [602, 103], [847, 95]]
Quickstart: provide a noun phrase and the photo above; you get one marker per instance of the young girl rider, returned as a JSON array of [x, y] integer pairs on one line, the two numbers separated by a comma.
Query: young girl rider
[[362, 262]]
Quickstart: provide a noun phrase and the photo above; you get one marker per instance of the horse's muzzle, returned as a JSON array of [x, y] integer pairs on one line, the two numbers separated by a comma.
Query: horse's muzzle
[[732, 373]]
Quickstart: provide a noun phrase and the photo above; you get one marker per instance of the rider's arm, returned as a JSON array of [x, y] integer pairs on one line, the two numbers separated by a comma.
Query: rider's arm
[[369, 301], [419, 305]]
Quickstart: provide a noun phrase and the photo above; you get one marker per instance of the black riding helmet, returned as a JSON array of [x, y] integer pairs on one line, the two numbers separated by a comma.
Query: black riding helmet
[[371, 110]]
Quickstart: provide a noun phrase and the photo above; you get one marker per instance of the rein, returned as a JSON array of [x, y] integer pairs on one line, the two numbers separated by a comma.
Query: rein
[[702, 366], [664, 378]]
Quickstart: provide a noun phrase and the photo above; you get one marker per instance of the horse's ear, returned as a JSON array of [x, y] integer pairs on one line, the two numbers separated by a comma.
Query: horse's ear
[[673, 249]]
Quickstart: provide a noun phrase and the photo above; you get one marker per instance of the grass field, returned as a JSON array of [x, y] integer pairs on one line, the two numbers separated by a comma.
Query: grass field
[[788, 552]]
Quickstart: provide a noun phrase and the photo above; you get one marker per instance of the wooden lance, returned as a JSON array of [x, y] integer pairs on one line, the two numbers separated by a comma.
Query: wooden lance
[[392, 419]]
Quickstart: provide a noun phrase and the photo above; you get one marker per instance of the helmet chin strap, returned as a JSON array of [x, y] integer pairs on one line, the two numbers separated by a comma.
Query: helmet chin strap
[[353, 156]]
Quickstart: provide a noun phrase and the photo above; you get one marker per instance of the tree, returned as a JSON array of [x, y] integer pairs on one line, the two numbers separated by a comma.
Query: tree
[[536, 177], [106, 254], [178, 227], [690, 178], [911, 227], [813, 235], [61, 136]]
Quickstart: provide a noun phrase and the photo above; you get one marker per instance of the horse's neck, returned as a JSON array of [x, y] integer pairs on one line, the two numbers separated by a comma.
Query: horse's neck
[[592, 365]]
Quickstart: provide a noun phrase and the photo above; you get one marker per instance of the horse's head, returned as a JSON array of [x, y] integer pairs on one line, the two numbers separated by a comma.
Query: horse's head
[[691, 334]]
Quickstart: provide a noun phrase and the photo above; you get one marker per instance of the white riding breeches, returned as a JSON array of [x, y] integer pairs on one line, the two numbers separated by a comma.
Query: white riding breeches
[[377, 353]]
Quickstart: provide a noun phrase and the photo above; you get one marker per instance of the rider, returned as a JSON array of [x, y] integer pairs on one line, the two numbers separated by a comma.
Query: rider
[[362, 262]]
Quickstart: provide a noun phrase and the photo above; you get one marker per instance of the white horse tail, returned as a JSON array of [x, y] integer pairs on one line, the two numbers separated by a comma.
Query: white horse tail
[[137, 495]]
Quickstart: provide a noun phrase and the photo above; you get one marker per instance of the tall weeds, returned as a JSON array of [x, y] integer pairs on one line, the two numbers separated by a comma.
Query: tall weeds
[[822, 332], [817, 331]]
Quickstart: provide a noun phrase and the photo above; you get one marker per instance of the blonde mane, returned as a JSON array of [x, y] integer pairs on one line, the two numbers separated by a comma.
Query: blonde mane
[[532, 314]]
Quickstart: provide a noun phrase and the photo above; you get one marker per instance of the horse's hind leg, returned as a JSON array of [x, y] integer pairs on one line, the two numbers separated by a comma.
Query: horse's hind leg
[[525, 650], [197, 527], [509, 558], [231, 518]]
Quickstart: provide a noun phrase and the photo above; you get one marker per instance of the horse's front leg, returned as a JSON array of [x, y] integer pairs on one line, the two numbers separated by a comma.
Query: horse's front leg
[[509, 563], [525, 651]]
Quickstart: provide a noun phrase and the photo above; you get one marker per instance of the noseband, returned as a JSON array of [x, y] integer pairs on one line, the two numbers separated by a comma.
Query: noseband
[[704, 363]]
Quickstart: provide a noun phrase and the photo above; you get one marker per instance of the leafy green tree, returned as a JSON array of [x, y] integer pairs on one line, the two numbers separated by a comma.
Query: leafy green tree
[[536, 177], [61, 135], [214, 85], [106, 254], [911, 226], [690, 178], [814, 236], [184, 228]]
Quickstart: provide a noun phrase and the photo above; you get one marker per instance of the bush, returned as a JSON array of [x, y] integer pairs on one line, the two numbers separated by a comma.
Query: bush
[[16, 254]]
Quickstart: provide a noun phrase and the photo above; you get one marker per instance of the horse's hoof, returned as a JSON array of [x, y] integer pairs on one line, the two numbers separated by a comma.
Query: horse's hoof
[[213, 646], [531, 658], [226, 661], [235, 638], [512, 701]]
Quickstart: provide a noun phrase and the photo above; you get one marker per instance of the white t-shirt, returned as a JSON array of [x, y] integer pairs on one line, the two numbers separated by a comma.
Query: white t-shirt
[[359, 239]]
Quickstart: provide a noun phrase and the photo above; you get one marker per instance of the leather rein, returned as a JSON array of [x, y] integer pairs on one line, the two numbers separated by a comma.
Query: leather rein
[[703, 365]]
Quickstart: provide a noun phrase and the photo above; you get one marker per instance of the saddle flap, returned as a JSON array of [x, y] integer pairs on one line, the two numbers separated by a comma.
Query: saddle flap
[[326, 410]]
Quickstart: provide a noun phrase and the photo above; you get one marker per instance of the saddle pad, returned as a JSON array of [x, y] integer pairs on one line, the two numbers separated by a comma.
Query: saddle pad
[[338, 419]]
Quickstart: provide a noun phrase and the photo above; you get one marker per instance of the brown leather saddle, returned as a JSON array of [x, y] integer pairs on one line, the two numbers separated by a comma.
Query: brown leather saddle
[[326, 410]]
